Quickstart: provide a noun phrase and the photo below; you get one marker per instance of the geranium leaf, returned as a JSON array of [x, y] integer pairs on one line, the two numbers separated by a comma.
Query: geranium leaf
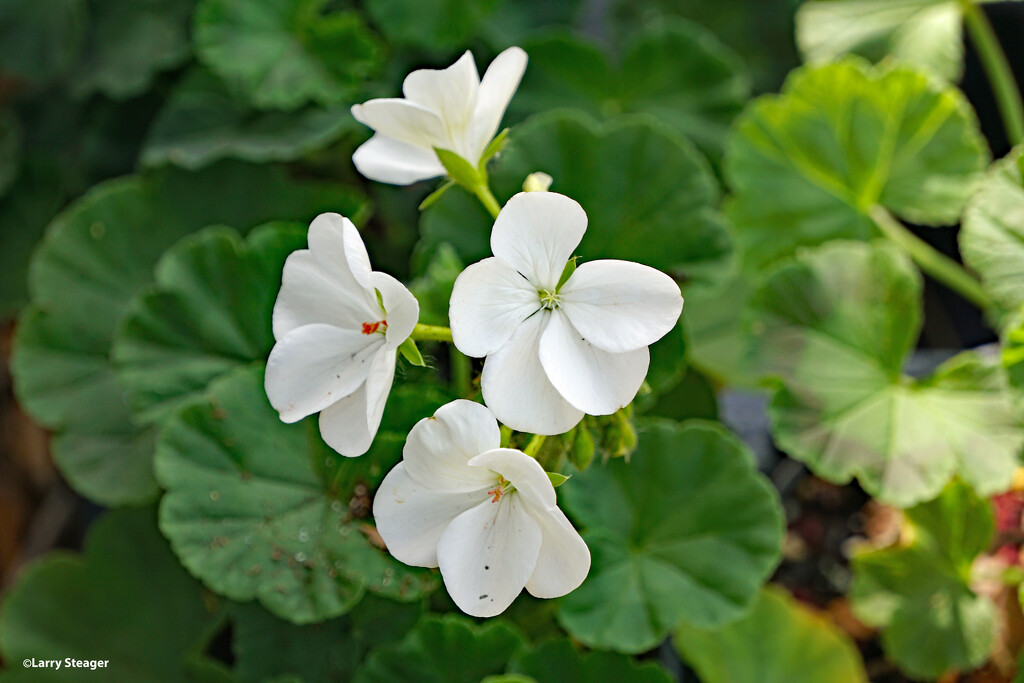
[[203, 122], [919, 592], [259, 509], [39, 43], [806, 166], [431, 24], [105, 604], [96, 256], [448, 649], [208, 312], [285, 53], [688, 494], [778, 641], [559, 661], [835, 325]]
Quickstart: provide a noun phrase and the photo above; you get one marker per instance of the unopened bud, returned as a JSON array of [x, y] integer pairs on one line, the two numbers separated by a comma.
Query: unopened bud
[[537, 182]]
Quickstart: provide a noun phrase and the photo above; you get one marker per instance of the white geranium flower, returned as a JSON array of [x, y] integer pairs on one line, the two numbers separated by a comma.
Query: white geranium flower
[[557, 353], [487, 516], [338, 326], [450, 109]]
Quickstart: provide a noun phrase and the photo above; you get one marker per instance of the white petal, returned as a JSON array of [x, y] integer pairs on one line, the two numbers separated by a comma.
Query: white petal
[[594, 381], [499, 84], [517, 390], [387, 160], [620, 306], [487, 554], [311, 293], [524, 472], [564, 559], [451, 93], [315, 366], [402, 120], [335, 243], [400, 307], [489, 302], [536, 233], [411, 518], [349, 425], [438, 449]]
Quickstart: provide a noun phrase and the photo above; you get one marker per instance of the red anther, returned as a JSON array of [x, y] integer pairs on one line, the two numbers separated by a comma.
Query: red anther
[[370, 328], [496, 492]]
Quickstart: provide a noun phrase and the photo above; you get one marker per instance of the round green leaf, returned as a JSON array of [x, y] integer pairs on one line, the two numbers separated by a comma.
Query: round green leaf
[[208, 313], [558, 661], [128, 44], [778, 641], [920, 592], [125, 600], [687, 531], [96, 256], [448, 649], [284, 53], [39, 42], [203, 122], [806, 166], [265, 646], [649, 196], [992, 237], [261, 509], [1013, 351], [432, 24], [675, 71], [925, 34], [834, 325]]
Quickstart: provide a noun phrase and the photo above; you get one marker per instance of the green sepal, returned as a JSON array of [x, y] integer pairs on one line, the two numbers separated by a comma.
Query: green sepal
[[435, 195], [583, 447], [496, 145], [411, 353], [570, 268], [459, 170], [557, 479]]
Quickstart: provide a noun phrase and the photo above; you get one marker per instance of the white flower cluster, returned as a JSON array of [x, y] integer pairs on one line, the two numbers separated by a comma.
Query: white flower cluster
[[559, 342]]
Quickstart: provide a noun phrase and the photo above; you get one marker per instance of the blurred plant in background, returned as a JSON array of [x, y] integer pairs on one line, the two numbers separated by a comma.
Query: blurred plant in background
[[160, 160]]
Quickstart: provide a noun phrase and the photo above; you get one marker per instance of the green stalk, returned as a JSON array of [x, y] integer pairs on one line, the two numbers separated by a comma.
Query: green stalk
[[486, 197], [461, 369], [533, 447], [431, 333], [939, 266], [1000, 75]]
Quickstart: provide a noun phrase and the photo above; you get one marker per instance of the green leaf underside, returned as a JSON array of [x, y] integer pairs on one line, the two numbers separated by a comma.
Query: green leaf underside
[[97, 255], [128, 44], [208, 312], [834, 325], [449, 649], [807, 165], [259, 509], [925, 34], [203, 122], [992, 237], [919, 593], [285, 53], [558, 661], [265, 646], [125, 600], [675, 71], [777, 641], [687, 531]]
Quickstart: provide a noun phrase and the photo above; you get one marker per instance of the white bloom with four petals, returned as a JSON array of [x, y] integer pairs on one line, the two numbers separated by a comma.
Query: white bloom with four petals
[[486, 516], [557, 353], [337, 326], [450, 109]]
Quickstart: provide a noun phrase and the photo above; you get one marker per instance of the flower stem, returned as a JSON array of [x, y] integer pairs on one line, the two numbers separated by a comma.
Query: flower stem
[[533, 447], [938, 265], [431, 333], [461, 369], [506, 435], [486, 197], [1000, 75]]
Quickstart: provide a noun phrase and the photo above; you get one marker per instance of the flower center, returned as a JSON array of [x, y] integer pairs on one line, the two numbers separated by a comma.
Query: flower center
[[503, 487], [549, 299], [379, 327]]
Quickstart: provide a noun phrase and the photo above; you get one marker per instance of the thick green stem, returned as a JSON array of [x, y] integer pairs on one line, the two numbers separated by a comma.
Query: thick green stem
[[431, 333], [533, 448], [486, 197], [939, 266], [461, 369], [1000, 75]]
